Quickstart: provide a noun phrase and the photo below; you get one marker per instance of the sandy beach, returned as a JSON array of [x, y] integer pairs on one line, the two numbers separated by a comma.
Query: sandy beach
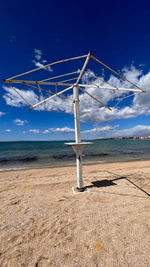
[[42, 223]]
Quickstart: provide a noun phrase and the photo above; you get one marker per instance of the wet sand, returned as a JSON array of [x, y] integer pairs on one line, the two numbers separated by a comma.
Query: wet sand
[[42, 223]]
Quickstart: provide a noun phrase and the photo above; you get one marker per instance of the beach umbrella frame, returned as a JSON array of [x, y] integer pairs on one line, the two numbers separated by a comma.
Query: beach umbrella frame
[[78, 145]]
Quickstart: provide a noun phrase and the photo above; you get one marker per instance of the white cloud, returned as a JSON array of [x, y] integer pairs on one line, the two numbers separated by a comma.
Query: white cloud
[[39, 62], [113, 132], [36, 131], [40, 65], [96, 130], [101, 132], [140, 104], [2, 113], [46, 131], [53, 130], [58, 130], [20, 122], [62, 130], [38, 54], [132, 74], [13, 99], [7, 130], [139, 130]]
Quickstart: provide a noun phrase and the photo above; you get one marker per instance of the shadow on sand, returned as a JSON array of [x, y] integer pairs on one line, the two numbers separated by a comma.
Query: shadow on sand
[[138, 187], [105, 183], [101, 183]]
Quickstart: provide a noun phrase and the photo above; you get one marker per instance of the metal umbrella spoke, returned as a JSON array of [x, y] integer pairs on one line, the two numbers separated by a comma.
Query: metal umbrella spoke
[[97, 100], [57, 94]]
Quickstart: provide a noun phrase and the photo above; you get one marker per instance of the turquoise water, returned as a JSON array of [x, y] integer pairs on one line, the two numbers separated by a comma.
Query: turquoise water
[[37, 154]]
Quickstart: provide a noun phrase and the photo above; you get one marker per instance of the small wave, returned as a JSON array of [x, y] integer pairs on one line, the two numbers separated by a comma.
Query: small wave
[[12, 169], [67, 164], [96, 154], [15, 160], [72, 156], [63, 156]]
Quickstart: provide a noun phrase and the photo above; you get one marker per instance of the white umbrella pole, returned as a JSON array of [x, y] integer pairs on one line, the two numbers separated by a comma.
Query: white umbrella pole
[[79, 148]]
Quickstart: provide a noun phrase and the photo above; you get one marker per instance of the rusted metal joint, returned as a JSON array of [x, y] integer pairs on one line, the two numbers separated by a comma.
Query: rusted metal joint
[[76, 101], [6, 81]]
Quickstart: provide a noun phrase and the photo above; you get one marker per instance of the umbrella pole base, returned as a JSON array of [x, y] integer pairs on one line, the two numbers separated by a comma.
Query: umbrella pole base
[[82, 190]]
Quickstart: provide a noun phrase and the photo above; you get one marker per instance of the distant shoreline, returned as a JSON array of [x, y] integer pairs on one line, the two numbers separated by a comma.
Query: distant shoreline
[[111, 138], [132, 138]]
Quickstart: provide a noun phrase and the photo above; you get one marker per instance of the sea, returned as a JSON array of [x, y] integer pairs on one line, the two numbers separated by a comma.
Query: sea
[[43, 154]]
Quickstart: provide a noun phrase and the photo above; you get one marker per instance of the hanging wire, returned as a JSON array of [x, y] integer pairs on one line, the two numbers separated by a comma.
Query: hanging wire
[[22, 96], [45, 66], [114, 88], [59, 76], [97, 100], [40, 91], [125, 98], [56, 88], [68, 80], [144, 91], [54, 102], [19, 94], [54, 110], [102, 81], [48, 91]]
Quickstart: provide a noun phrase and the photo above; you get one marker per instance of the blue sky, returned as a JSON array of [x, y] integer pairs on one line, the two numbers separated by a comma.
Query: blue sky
[[40, 32]]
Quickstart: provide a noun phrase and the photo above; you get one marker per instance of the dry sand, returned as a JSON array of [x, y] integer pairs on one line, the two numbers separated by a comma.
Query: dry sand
[[42, 223]]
